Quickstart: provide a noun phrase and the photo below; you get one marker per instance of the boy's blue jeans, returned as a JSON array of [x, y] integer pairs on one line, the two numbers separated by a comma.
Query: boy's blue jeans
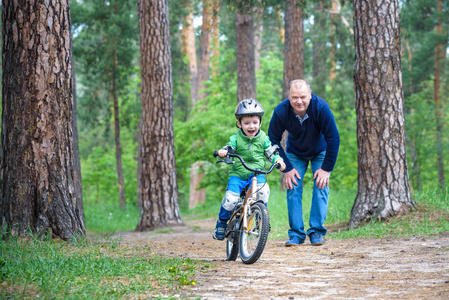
[[320, 197], [237, 185]]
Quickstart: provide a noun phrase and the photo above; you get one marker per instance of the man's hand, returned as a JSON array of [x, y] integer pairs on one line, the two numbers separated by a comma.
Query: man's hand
[[281, 162], [290, 180], [222, 153], [322, 178]]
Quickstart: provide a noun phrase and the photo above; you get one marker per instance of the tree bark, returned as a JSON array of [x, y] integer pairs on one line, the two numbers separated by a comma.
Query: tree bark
[[246, 76], [383, 182], [293, 55], [196, 195], [215, 36], [294, 44], [38, 191], [204, 55], [189, 49], [436, 97], [258, 12], [335, 10], [159, 186]]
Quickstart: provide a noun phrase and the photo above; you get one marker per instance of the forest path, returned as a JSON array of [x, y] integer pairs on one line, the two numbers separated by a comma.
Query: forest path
[[396, 268]]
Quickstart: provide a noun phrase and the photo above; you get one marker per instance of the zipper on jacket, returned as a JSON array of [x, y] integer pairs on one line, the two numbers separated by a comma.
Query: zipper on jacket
[[249, 144]]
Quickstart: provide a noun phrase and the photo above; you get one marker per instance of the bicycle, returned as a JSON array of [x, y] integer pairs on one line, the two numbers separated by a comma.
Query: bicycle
[[247, 229]]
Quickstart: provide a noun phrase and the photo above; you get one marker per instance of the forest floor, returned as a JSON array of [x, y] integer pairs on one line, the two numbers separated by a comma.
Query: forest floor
[[387, 268]]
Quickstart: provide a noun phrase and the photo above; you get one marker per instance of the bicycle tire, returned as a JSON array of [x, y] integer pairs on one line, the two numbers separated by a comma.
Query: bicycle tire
[[232, 250], [253, 241], [232, 242]]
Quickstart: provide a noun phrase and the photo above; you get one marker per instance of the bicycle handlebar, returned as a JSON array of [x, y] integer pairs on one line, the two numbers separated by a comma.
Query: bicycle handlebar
[[231, 153]]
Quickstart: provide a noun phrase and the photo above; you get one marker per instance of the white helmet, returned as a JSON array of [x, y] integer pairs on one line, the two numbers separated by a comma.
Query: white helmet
[[248, 107]]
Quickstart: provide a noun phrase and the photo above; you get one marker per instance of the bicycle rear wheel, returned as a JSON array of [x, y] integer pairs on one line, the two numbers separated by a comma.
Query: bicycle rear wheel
[[252, 242]]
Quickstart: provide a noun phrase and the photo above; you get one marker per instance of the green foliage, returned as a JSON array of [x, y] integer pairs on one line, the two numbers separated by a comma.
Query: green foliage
[[105, 40], [99, 172], [88, 269], [421, 131], [98, 164]]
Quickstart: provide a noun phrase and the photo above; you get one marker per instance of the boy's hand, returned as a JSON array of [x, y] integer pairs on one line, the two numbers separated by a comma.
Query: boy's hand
[[222, 153], [281, 162]]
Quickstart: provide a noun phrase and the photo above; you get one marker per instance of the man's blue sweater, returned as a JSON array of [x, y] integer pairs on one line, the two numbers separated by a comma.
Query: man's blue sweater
[[317, 133]]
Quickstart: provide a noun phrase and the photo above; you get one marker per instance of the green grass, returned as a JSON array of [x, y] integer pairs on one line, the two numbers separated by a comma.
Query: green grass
[[89, 269], [430, 218], [108, 217]]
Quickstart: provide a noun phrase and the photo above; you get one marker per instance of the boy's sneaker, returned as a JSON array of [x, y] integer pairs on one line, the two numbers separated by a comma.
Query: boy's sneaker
[[316, 239], [294, 241], [220, 230]]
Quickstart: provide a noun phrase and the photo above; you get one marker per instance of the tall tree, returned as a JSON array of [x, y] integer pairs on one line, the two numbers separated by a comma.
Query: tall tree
[[440, 51], [189, 49], [158, 179], [293, 53], [37, 162], [204, 51], [294, 44], [258, 11], [215, 36], [244, 31], [383, 184]]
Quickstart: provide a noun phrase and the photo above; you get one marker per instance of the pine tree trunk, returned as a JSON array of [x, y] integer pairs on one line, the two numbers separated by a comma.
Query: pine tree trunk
[[204, 55], [383, 182], [335, 10], [159, 186], [189, 49], [281, 26], [215, 36], [246, 76], [437, 98], [258, 12], [37, 158], [294, 44], [196, 195], [293, 54]]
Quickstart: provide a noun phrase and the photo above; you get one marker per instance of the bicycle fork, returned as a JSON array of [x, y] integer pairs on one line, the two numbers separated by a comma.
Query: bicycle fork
[[247, 207]]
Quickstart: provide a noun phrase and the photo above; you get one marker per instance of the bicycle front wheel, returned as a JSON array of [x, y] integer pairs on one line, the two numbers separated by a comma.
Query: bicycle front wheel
[[232, 243], [232, 250], [252, 241]]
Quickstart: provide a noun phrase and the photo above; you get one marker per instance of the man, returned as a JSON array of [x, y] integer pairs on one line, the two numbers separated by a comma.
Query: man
[[312, 137]]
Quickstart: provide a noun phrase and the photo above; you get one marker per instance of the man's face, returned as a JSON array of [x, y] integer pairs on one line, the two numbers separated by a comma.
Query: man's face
[[299, 97], [249, 125]]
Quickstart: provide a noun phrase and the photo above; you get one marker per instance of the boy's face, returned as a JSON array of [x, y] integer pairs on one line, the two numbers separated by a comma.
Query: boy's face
[[250, 125]]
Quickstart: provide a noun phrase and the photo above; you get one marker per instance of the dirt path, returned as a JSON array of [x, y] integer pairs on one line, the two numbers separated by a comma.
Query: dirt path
[[408, 268]]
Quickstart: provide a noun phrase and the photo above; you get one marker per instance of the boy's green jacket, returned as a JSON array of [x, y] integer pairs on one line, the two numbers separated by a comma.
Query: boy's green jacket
[[253, 151]]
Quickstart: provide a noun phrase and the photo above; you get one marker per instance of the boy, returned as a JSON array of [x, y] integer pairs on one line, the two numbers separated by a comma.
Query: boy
[[252, 144]]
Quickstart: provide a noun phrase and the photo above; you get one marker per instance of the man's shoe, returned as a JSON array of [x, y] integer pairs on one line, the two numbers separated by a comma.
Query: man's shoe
[[294, 241], [220, 230], [316, 239]]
